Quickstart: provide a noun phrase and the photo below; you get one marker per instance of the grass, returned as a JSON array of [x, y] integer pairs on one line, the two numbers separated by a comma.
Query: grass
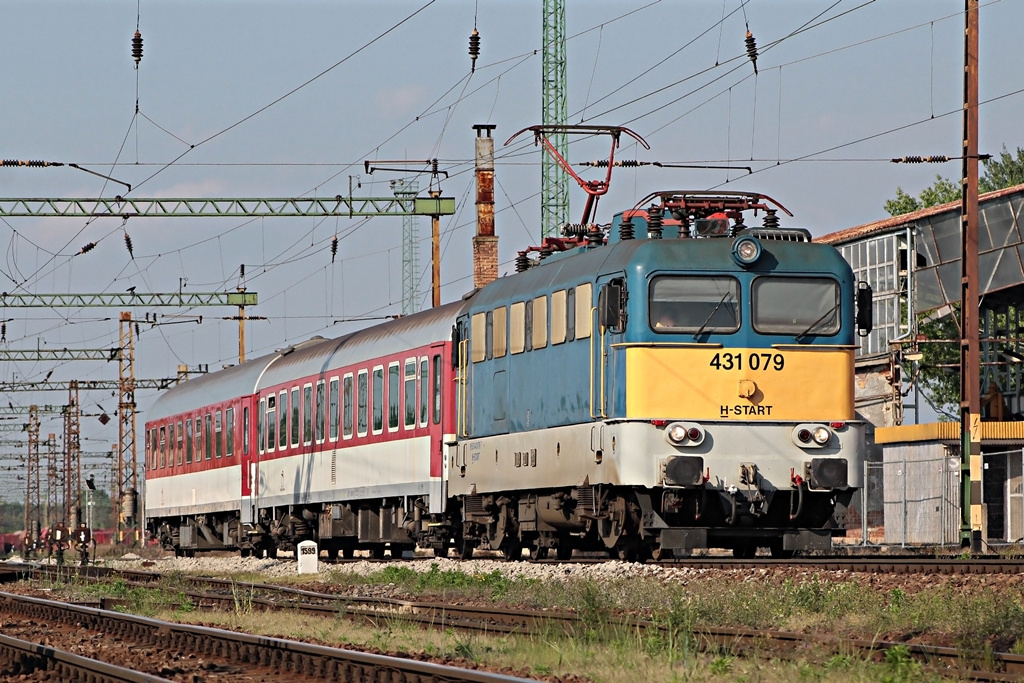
[[984, 618]]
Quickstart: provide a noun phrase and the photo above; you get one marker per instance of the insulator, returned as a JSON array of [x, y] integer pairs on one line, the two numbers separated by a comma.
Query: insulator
[[522, 262], [3, 331], [771, 219], [474, 49], [138, 332], [137, 48], [128, 243], [736, 226], [574, 230], [751, 50], [334, 248], [22, 162], [87, 248], [626, 229], [654, 222], [627, 163], [545, 251], [595, 237]]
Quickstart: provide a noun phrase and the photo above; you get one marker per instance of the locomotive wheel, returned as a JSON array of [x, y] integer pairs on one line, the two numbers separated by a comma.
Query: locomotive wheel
[[746, 550], [377, 551], [464, 549], [332, 552], [564, 549], [538, 552], [778, 551], [658, 553], [513, 550]]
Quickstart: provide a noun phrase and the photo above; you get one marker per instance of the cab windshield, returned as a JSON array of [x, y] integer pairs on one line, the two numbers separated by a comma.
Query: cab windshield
[[800, 306], [704, 304]]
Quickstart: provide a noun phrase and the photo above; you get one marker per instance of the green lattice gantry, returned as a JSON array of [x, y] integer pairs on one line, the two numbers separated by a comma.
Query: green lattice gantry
[[124, 207]]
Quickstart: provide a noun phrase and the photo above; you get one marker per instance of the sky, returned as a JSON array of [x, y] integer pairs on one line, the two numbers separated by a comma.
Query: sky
[[261, 99]]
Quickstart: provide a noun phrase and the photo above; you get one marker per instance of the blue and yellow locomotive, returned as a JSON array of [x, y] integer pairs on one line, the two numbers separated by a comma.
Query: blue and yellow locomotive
[[683, 382]]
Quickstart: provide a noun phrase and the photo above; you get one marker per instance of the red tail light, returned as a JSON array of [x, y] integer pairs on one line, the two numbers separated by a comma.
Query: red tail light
[[838, 424]]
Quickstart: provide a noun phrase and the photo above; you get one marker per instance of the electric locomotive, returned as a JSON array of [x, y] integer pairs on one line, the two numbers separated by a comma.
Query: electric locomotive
[[676, 380], [689, 384]]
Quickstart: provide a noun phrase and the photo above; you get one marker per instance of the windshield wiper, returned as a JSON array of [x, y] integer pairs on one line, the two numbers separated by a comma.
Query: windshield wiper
[[818, 321], [721, 301]]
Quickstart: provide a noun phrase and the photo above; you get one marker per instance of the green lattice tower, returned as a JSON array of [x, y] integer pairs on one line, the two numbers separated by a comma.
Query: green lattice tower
[[554, 185]]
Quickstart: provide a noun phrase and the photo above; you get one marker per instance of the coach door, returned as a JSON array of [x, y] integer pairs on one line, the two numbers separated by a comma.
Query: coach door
[[440, 427], [250, 461]]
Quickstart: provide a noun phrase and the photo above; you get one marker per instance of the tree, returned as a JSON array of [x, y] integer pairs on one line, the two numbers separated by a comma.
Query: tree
[[1002, 171], [941, 191]]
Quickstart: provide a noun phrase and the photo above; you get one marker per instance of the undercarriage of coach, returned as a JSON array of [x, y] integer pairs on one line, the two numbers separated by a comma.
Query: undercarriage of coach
[[200, 533], [640, 523]]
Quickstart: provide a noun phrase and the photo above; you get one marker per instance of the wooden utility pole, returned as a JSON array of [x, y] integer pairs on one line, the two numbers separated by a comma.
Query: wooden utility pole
[[970, 390]]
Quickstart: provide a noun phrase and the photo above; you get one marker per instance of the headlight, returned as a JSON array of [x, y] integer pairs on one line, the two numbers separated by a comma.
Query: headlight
[[677, 433], [685, 434], [746, 250], [821, 435]]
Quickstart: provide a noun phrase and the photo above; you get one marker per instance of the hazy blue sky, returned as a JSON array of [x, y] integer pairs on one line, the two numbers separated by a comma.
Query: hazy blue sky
[[288, 99]]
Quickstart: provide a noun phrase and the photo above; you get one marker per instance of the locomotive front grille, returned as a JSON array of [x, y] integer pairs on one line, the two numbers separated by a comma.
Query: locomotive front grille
[[684, 470]]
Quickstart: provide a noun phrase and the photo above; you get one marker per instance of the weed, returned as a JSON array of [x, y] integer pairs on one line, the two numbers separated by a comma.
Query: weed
[[242, 599], [900, 665], [721, 665]]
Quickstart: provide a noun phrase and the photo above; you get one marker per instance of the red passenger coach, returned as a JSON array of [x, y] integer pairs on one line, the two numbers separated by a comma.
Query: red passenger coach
[[335, 440]]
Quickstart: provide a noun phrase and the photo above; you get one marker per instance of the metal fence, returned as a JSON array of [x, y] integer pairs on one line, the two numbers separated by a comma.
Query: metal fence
[[912, 497]]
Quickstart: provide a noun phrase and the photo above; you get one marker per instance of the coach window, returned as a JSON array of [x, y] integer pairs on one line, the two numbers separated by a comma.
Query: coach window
[[437, 389], [268, 443], [208, 438], [163, 447], [333, 408], [172, 444], [282, 425], [295, 416], [188, 442], [394, 382], [245, 430], [321, 397], [199, 438], [558, 317], [181, 437], [229, 429], [500, 331], [570, 314], [347, 401], [584, 297], [378, 399], [307, 414], [218, 434], [539, 335], [410, 393], [361, 424], [424, 390], [489, 335], [517, 327], [478, 336]]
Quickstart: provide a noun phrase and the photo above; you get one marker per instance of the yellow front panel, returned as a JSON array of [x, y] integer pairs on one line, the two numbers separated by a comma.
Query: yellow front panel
[[739, 384]]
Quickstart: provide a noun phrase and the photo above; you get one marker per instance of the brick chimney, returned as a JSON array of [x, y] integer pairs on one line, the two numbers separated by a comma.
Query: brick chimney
[[485, 243]]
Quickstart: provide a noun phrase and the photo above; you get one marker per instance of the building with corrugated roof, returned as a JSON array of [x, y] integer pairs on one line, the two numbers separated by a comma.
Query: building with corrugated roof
[[912, 263]]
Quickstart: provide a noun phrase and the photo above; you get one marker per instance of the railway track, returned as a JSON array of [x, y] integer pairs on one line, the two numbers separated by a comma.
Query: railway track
[[223, 594], [239, 655], [24, 659]]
